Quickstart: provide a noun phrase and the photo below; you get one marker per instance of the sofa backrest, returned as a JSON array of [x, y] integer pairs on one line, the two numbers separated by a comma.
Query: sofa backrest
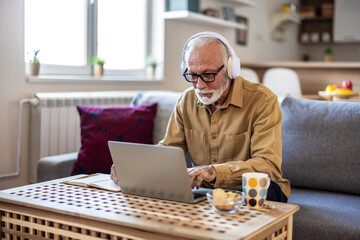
[[321, 142], [166, 102]]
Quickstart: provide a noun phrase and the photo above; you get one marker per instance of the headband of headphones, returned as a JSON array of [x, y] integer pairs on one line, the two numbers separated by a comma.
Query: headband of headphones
[[233, 61]]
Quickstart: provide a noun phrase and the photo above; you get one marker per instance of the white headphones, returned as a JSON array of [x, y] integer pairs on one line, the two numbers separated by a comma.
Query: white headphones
[[233, 64]]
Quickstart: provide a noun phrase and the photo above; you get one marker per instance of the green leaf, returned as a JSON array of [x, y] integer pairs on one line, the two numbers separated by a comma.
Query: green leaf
[[97, 60]]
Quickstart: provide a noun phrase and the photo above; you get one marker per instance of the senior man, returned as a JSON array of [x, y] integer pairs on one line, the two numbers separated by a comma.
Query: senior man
[[229, 125]]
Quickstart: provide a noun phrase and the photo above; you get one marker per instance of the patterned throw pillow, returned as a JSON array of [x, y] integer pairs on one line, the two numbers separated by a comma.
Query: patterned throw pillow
[[101, 124]]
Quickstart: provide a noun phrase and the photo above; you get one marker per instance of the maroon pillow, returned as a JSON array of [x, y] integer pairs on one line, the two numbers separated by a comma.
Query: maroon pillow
[[101, 124]]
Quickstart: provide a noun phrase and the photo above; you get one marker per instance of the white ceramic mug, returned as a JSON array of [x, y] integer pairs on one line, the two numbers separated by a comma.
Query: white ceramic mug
[[255, 186]]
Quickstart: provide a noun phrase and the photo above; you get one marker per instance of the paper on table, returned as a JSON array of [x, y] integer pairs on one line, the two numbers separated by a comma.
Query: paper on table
[[98, 180]]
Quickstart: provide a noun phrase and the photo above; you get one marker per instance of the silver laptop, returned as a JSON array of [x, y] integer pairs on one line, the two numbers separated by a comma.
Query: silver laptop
[[154, 171]]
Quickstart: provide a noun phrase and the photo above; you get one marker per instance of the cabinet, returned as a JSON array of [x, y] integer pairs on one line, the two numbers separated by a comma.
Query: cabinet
[[346, 23], [198, 18], [317, 20]]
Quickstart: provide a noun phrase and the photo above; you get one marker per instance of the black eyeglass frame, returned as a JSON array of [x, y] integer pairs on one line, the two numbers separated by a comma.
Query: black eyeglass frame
[[200, 75]]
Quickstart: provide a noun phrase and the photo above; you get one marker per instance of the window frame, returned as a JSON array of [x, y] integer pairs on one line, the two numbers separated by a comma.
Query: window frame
[[81, 73]]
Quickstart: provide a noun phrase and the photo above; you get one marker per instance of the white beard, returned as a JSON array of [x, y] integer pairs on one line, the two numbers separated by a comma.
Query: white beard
[[216, 94]]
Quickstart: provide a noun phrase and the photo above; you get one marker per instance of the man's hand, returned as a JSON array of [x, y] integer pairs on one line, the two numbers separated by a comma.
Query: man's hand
[[114, 175], [201, 173]]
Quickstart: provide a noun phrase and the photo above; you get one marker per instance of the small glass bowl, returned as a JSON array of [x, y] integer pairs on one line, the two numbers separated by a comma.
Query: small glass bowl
[[226, 205]]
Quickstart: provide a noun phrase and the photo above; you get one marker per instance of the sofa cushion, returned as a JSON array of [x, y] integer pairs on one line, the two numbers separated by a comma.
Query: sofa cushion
[[101, 124], [325, 215], [166, 102], [321, 142]]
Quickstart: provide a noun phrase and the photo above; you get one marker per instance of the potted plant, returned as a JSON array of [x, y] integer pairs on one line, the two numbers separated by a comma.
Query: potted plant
[[35, 64], [151, 65], [328, 54], [98, 64]]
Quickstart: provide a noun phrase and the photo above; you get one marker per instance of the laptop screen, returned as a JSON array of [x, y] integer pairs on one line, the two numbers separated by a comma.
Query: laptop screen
[[153, 171]]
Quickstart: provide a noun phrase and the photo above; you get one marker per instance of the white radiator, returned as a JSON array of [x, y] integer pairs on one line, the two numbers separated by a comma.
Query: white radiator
[[55, 122]]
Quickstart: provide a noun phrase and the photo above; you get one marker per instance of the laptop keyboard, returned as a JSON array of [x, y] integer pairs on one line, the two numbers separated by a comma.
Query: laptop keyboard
[[198, 195]]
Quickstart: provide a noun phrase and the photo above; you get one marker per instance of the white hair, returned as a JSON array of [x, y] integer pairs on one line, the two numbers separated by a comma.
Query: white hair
[[202, 41]]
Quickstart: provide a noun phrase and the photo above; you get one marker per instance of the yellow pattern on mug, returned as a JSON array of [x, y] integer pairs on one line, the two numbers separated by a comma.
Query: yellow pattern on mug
[[255, 186]]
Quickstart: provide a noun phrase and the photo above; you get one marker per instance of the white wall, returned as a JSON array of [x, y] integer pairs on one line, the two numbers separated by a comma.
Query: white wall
[[13, 86], [260, 46]]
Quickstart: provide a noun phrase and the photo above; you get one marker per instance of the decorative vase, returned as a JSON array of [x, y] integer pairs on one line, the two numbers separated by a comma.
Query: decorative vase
[[98, 70], [327, 57], [150, 71], [34, 68]]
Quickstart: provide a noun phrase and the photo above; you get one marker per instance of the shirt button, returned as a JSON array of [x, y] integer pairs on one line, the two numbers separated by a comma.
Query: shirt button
[[214, 160], [213, 136]]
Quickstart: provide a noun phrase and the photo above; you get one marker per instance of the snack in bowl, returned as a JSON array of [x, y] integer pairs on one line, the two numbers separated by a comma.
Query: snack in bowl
[[225, 201]]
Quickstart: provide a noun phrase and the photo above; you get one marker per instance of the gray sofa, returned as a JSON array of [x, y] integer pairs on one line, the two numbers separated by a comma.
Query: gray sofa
[[321, 157]]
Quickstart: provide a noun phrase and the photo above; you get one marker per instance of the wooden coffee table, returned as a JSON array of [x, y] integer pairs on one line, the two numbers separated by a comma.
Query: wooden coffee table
[[52, 210]]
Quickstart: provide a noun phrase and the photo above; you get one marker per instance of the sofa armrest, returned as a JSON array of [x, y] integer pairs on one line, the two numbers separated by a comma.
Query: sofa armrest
[[58, 166]]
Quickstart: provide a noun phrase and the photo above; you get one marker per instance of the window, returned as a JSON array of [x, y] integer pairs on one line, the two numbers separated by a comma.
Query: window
[[68, 33], [116, 26], [59, 31]]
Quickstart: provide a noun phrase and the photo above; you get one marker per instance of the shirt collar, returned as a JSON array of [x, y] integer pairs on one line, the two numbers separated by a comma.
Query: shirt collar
[[236, 94]]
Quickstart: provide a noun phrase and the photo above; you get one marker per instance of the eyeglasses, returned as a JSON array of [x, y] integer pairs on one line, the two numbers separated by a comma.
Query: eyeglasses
[[206, 77]]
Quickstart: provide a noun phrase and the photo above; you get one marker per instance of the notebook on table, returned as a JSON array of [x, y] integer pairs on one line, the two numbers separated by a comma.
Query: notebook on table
[[154, 171], [97, 180]]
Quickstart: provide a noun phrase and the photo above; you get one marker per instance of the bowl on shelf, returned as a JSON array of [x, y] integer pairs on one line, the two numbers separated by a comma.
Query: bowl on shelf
[[225, 201]]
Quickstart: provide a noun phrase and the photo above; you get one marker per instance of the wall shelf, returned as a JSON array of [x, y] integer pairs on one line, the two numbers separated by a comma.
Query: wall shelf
[[317, 19], [277, 24], [249, 3], [192, 17]]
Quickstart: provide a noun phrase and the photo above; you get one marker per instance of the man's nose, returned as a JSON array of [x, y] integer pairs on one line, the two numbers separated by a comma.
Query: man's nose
[[200, 84]]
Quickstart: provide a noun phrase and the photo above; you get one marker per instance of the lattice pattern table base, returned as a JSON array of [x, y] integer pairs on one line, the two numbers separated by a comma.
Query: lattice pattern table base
[[54, 210], [22, 226]]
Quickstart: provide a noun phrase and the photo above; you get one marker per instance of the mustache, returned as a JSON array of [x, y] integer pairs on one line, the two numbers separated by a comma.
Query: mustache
[[204, 91]]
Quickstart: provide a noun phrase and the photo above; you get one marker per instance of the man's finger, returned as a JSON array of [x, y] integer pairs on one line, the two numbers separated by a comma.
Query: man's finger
[[113, 175], [199, 180], [192, 179], [193, 176]]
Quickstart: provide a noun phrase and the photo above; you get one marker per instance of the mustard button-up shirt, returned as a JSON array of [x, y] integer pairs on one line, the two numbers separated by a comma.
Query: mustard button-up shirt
[[243, 135]]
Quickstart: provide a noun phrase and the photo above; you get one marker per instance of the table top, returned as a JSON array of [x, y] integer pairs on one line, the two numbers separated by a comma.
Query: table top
[[302, 64], [179, 219], [353, 98]]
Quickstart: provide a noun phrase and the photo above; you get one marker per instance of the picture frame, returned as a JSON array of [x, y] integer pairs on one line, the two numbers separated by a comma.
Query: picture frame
[[228, 14], [241, 34]]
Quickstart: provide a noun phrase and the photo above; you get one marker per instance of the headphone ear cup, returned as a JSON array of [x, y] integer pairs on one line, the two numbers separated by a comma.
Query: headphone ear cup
[[229, 67], [183, 67]]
